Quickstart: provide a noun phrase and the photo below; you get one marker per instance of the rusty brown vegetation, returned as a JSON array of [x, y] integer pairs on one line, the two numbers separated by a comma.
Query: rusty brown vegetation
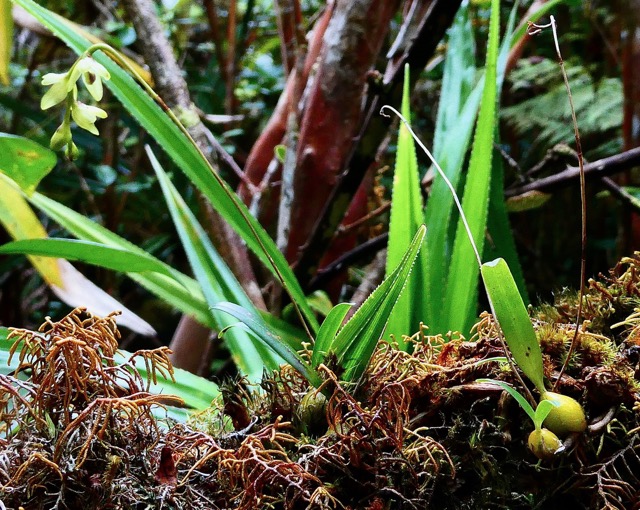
[[79, 430]]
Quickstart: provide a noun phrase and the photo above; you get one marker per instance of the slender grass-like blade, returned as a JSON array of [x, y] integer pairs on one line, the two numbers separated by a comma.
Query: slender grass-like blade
[[151, 116], [406, 218], [216, 280], [356, 341]]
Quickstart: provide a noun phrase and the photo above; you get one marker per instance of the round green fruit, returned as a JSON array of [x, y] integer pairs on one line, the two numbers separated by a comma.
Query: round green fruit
[[566, 417], [544, 444]]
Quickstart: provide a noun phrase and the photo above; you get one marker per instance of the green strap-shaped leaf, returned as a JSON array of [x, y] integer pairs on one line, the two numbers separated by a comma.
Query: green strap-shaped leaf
[[406, 218], [184, 154], [459, 101], [510, 312], [462, 284], [97, 254], [250, 322], [216, 280], [356, 341], [327, 332], [184, 293]]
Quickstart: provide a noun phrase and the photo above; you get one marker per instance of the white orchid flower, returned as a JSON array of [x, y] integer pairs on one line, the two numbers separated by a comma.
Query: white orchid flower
[[60, 84], [92, 74], [86, 115]]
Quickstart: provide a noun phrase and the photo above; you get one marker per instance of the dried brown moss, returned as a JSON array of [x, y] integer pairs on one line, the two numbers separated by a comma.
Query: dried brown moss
[[417, 431]]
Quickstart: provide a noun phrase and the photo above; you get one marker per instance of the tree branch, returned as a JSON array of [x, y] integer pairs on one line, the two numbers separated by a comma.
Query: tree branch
[[601, 168]]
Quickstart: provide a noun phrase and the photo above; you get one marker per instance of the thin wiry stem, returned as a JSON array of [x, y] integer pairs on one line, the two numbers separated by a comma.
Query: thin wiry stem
[[534, 29]]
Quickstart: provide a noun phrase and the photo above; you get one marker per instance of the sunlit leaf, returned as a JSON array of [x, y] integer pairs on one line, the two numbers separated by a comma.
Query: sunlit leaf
[[406, 217], [25, 161], [6, 39]]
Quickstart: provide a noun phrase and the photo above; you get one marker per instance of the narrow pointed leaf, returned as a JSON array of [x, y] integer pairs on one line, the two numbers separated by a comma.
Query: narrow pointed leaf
[[457, 111], [97, 254], [256, 326], [462, 285], [356, 341], [515, 394], [216, 280], [327, 332], [406, 218]]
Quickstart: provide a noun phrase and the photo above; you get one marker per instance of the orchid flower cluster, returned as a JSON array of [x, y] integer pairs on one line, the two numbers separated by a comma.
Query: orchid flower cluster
[[64, 88]]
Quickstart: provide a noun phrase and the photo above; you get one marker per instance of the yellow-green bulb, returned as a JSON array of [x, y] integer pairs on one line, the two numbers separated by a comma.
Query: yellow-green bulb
[[566, 417], [544, 443]]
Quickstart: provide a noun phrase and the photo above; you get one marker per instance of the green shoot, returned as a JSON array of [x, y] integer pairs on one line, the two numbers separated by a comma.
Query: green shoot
[[505, 300]]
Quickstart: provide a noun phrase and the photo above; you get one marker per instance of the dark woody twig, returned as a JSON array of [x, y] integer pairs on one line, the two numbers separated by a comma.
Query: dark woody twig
[[601, 168]]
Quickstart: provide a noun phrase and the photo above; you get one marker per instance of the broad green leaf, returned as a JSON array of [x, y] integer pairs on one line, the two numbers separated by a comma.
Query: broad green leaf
[[462, 284], [356, 341], [251, 323], [515, 394], [97, 254], [6, 40], [25, 161], [406, 218], [216, 280], [151, 116], [509, 310], [327, 332]]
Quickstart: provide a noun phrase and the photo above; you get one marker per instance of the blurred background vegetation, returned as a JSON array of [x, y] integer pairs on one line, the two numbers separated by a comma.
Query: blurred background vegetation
[[235, 60]]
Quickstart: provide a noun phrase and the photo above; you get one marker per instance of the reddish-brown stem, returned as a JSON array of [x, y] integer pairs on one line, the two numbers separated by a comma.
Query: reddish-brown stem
[[231, 56], [214, 25]]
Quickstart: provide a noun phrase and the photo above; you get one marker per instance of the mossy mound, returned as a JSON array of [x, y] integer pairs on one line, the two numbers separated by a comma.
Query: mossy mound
[[418, 431]]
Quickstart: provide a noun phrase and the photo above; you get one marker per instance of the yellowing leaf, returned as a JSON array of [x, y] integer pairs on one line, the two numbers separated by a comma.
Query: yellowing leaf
[[19, 220], [6, 38], [25, 161], [67, 283]]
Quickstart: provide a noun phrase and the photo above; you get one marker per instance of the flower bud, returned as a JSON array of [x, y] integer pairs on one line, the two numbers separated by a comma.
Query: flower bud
[[61, 137]]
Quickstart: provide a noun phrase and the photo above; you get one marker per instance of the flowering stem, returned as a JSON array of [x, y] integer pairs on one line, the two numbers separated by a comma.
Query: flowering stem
[[117, 58]]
